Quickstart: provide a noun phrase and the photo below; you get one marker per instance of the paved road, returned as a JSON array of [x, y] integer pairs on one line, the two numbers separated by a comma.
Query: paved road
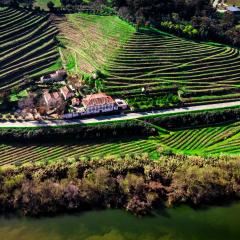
[[118, 117]]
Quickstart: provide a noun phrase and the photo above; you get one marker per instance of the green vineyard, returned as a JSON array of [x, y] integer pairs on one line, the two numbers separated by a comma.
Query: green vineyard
[[27, 46], [23, 153], [162, 62], [211, 140]]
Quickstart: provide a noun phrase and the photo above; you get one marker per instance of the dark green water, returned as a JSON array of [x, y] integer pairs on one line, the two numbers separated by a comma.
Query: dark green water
[[182, 223]]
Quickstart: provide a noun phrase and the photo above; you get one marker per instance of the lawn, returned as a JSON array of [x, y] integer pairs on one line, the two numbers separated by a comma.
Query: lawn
[[43, 3]]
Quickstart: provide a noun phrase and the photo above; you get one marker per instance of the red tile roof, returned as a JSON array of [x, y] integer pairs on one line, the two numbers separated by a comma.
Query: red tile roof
[[75, 101], [97, 99], [55, 95], [50, 96], [47, 96], [66, 92]]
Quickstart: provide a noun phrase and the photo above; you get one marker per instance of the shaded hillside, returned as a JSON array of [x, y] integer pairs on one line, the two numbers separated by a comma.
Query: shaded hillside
[[27, 46]]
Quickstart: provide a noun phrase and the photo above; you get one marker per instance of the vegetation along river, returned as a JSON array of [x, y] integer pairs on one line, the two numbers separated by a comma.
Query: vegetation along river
[[181, 223]]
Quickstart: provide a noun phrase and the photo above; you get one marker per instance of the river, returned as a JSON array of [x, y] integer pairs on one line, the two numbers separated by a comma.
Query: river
[[181, 223]]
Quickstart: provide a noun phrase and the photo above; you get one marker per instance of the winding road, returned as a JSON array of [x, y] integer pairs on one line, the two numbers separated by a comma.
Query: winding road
[[119, 117]]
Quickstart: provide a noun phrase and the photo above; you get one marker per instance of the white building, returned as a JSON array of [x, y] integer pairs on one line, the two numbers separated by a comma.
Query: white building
[[95, 104], [98, 103], [121, 104], [58, 76]]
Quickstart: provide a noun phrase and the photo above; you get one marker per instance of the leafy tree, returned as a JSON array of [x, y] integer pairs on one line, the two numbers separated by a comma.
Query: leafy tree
[[63, 2], [50, 6]]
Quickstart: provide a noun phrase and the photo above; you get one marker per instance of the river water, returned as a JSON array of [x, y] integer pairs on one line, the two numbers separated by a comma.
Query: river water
[[181, 223]]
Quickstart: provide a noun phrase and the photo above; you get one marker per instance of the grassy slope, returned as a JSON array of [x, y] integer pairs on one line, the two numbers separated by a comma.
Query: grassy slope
[[43, 3], [90, 40]]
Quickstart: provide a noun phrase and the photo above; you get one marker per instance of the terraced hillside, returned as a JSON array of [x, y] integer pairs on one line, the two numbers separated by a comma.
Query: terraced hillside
[[89, 40], [205, 72], [211, 140], [22, 153], [27, 46]]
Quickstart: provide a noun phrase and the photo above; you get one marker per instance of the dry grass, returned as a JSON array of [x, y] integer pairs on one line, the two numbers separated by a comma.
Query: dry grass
[[89, 40], [233, 2]]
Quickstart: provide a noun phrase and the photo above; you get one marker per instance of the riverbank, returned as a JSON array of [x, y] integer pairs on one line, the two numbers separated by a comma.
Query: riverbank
[[132, 182]]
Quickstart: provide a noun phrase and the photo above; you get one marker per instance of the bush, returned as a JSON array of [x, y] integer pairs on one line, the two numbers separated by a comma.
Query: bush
[[198, 186]]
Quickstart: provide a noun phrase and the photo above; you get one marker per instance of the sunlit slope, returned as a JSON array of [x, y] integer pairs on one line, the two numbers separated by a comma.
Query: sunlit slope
[[89, 40], [203, 72], [24, 153], [211, 140]]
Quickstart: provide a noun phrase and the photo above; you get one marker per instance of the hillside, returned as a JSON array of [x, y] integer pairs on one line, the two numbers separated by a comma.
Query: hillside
[[224, 139], [27, 46], [89, 40], [211, 140], [204, 72], [23, 153], [161, 63]]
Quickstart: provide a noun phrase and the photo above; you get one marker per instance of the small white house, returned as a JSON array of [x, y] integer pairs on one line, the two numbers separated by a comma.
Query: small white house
[[121, 104], [58, 76]]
